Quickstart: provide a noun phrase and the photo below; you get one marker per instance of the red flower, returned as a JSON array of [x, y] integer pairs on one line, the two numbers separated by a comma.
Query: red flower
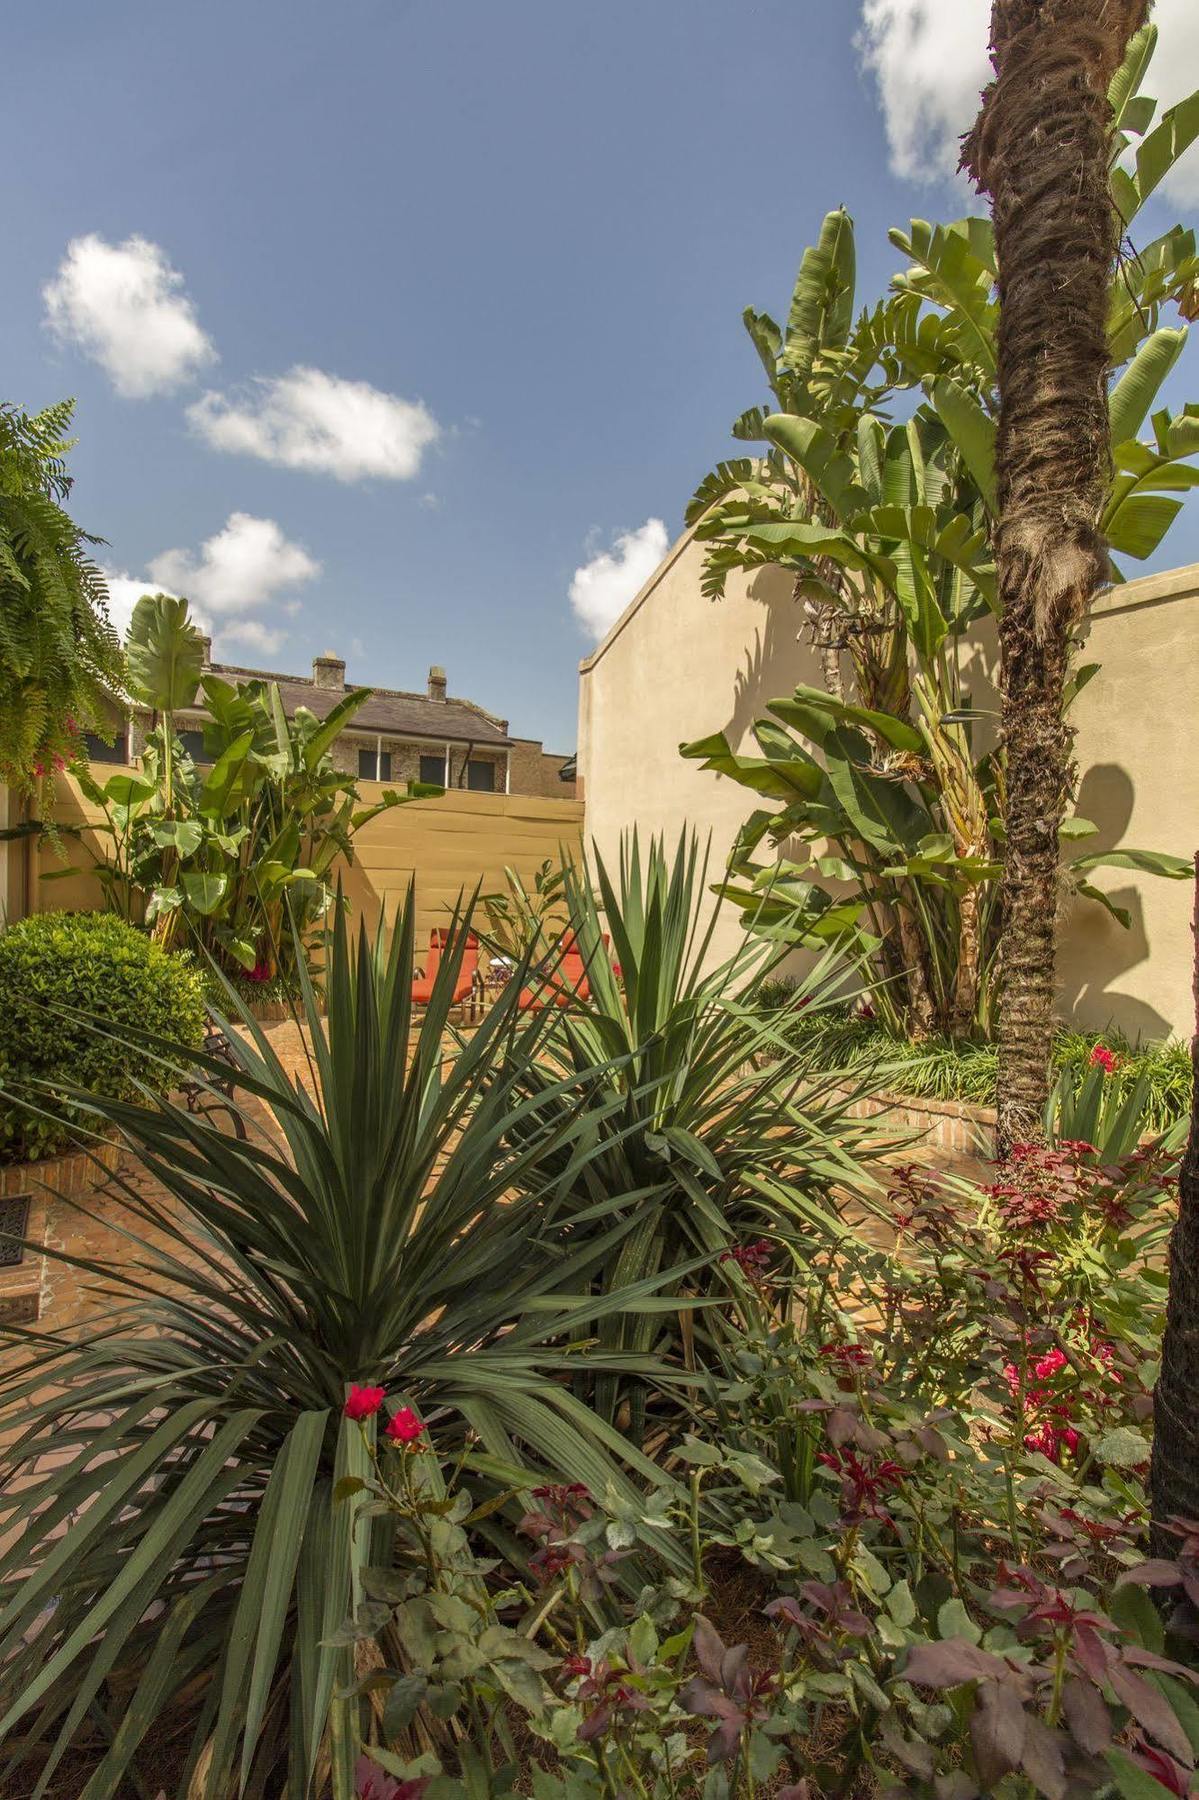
[[403, 1427], [361, 1402], [1103, 1058], [1049, 1438]]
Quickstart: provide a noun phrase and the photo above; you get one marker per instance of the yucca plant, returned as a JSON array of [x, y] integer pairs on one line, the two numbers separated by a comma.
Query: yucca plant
[[705, 1119], [172, 1549], [1086, 1105]]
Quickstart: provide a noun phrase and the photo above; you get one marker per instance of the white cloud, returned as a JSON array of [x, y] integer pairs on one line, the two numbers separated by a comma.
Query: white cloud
[[124, 592], [929, 61], [307, 419], [603, 587], [124, 306], [241, 567], [244, 567]]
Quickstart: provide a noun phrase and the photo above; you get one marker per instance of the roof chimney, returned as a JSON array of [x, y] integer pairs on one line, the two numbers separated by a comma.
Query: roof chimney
[[436, 683], [329, 671], [205, 651]]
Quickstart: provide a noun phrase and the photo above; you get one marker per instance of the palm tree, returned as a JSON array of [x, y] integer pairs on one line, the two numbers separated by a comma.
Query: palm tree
[[1040, 149]]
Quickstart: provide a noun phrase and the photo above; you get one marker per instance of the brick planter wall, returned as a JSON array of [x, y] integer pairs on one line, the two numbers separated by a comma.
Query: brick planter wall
[[29, 1204], [948, 1130]]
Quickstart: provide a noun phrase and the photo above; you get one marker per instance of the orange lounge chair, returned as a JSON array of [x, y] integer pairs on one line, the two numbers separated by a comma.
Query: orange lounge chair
[[464, 987], [566, 982]]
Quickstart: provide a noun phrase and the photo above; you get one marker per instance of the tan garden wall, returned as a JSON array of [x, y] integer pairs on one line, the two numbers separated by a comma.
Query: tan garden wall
[[676, 666], [451, 844]]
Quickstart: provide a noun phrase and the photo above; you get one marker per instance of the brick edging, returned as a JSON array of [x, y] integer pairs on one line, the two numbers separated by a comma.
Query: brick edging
[[952, 1126], [70, 1176]]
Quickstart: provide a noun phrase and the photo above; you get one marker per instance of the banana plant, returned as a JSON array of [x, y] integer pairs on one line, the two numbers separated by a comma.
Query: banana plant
[[887, 529], [238, 856]]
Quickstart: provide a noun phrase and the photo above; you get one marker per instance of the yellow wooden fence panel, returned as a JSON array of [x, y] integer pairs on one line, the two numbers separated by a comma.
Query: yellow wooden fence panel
[[451, 845]]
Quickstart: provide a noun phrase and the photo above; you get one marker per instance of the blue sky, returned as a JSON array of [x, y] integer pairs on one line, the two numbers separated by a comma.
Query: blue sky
[[463, 282]]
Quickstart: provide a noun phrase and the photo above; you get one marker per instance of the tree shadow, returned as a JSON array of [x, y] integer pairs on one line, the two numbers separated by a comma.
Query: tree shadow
[[775, 661], [1097, 951]]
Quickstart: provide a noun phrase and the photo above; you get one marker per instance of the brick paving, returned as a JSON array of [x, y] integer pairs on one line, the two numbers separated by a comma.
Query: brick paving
[[78, 1211]]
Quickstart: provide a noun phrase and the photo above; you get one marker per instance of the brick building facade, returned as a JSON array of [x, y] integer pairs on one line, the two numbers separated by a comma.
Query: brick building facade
[[396, 736]]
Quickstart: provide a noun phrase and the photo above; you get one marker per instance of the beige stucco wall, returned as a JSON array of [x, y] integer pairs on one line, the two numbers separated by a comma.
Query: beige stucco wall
[[677, 666]]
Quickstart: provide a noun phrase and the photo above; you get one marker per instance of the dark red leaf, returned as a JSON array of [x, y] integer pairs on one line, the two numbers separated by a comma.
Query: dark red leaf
[[1152, 1711], [997, 1731], [841, 1426], [1093, 1654], [704, 1701], [596, 1723], [1044, 1760], [1149, 1659], [1156, 1572], [708, 1646], [951, 1661], [1087, 1716], [735, 1677]]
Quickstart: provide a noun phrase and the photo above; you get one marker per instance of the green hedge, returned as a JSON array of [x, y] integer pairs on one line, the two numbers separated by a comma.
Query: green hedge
[[939, 1070], [56, 965]]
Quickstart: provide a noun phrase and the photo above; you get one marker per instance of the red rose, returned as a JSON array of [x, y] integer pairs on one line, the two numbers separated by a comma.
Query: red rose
[[361, 1402], [403, 1427]]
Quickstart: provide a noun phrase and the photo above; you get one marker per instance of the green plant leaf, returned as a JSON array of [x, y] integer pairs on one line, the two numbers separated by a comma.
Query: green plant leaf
[[164, 653]]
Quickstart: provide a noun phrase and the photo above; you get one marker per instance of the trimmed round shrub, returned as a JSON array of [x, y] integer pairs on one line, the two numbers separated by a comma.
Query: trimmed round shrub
[[56, 966]]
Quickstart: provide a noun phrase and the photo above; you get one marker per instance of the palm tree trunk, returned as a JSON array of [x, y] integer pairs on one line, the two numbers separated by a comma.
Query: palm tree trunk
[[1040, 149], [963, 1012], [1174, 1470]]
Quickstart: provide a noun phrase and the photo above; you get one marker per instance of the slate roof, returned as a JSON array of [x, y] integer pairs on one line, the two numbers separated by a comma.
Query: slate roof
[[388, 713]]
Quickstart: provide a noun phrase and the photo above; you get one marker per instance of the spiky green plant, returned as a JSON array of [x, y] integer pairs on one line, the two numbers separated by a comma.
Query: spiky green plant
[[171, 1542], [705, 1120]]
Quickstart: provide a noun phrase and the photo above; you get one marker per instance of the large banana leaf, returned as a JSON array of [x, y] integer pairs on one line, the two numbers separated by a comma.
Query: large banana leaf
[[169, 1535], [164, 653], [1140, 509], [822, 303]]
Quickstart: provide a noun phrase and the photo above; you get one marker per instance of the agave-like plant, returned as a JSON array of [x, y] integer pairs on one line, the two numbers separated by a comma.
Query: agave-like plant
[[706, 1120], [171, 1545]]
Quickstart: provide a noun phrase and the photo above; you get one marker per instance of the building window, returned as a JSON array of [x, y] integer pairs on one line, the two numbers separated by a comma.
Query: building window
[[374, 765], [99, 751], [193, 743], [481, 777], [432, 770]]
